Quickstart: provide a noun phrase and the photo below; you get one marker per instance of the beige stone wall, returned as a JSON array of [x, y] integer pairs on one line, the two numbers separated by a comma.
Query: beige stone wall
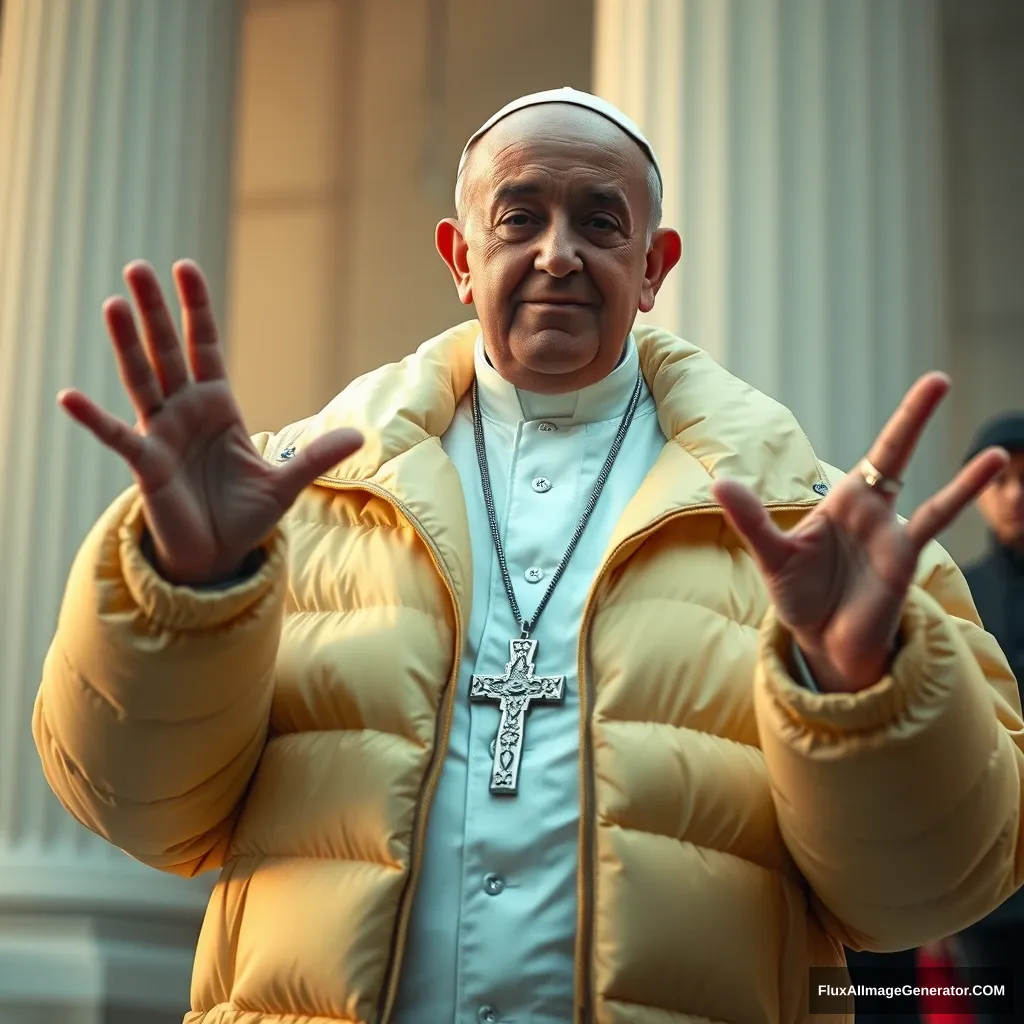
[[352, 118]]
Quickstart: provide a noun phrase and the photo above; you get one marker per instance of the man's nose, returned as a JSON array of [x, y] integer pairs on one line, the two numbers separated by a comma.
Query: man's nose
[[559, 249]]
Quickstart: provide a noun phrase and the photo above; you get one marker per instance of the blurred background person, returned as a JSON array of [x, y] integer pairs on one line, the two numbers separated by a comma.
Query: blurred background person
[[870, 969], [997, 585], [997, 579]]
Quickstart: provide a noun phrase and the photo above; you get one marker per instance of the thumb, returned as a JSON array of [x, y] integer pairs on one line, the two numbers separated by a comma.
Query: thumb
[[321, 455], [748, 517]]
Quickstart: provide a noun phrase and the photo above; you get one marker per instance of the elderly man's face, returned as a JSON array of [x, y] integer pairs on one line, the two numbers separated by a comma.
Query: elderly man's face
[[1002, 503], [552, 245]]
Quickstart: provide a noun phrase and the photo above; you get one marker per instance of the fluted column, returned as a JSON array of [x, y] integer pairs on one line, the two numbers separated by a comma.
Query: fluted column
[[116, 124], [801, 149]]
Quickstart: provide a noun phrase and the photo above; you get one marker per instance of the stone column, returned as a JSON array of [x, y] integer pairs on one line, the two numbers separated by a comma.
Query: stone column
[[802, 155], [116, 125]]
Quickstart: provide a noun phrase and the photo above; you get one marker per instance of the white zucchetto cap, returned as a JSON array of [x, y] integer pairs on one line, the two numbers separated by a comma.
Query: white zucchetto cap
[[577, 99]]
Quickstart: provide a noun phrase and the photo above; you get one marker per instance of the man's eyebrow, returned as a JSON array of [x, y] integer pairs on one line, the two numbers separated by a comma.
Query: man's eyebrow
[[607, 197], [512, 190]]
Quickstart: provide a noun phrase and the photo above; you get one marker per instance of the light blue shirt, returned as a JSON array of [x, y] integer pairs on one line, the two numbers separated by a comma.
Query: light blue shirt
[[493, 927]]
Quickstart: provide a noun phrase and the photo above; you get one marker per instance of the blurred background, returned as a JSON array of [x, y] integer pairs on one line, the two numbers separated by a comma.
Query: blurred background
[[846, 175]]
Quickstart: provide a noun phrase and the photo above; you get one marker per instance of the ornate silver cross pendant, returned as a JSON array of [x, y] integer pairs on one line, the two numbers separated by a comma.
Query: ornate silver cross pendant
[[515, 691]]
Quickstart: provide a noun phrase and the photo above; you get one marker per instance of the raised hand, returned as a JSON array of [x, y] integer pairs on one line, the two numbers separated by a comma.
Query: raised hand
[[838, 581], [209, 498]]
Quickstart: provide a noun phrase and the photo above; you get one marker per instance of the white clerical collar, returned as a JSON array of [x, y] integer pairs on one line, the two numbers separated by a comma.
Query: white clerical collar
[[604, 400]]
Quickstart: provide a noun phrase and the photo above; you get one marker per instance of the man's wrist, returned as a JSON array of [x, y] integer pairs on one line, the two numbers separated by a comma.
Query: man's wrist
[[248, 567], [826, 678], [816, 672]]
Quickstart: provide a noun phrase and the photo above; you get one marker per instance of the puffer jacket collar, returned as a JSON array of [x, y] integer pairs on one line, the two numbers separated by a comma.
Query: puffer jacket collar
[[726, 426], [717, 425]]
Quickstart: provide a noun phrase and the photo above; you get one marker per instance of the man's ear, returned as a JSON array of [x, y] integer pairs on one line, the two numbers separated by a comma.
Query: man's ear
[[451, 244], [665, 251]]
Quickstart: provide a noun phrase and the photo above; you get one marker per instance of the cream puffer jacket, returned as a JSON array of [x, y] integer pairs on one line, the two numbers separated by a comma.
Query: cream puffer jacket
[[736, 828]]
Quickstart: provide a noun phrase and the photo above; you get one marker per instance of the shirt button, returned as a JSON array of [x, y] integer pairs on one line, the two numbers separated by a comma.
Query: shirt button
[[542, 484], [487, 1014], [534, 574], [494, 885], [547, 426]]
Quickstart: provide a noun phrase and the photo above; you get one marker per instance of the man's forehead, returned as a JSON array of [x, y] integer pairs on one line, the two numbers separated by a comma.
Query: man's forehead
[[574, 99]]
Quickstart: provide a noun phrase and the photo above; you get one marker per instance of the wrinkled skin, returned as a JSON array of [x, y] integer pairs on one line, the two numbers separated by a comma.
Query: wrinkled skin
[[553, 248]]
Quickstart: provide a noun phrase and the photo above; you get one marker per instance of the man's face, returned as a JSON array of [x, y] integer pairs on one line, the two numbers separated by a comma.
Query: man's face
[[1002, 503], [552, 246]]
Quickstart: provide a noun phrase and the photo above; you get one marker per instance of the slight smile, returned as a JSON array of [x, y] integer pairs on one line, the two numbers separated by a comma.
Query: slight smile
[[556, 304]]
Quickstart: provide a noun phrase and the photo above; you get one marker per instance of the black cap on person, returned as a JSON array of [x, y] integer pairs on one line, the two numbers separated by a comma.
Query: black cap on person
[[1004, 431]]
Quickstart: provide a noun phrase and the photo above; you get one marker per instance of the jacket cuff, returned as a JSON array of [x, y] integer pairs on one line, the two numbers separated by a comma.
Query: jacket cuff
[[185, 608], [921, 635], [251, 564]]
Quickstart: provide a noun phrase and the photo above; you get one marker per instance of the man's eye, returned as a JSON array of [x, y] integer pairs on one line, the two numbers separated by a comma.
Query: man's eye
[[516, 220], [604, 223]]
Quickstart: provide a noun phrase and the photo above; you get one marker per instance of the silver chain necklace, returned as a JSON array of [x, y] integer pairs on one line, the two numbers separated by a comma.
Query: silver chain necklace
[[518, 688]]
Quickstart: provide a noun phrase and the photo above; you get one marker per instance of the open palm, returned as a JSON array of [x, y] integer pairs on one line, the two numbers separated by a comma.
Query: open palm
[[838, 581], [209, 498]]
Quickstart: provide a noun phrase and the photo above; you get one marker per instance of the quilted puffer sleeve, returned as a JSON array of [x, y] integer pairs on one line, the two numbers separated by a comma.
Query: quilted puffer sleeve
[[155, 699], [901, 804]]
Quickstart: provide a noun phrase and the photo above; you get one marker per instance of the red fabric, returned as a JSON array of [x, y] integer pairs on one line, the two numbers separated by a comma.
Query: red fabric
[[935, 971]]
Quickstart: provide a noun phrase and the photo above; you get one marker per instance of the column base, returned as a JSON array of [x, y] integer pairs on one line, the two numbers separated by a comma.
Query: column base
[[95, 940], [73, 969], [64, 1013]]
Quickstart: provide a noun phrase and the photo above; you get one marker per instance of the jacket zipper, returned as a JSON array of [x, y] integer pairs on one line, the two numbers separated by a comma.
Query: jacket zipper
[[584, 995], [389, 989]]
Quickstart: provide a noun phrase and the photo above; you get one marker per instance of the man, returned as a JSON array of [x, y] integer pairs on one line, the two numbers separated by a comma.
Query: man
[[307, 660], [997, 585], [997, 580]]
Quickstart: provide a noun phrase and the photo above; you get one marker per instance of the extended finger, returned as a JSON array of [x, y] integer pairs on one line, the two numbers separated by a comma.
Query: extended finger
[[322, 454], [934, 515], [133, 367], [899, 437], [201, 338], [750, 520], [158, 331], [108, 430]]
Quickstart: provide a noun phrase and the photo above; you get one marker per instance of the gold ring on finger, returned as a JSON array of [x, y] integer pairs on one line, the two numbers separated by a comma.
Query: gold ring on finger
[[877, 480]]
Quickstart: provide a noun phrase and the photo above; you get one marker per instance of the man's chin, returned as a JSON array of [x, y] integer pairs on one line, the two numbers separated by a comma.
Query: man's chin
[[555, 352]]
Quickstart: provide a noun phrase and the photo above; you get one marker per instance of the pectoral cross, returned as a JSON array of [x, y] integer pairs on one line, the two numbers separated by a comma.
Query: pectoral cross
[[515, 691]]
